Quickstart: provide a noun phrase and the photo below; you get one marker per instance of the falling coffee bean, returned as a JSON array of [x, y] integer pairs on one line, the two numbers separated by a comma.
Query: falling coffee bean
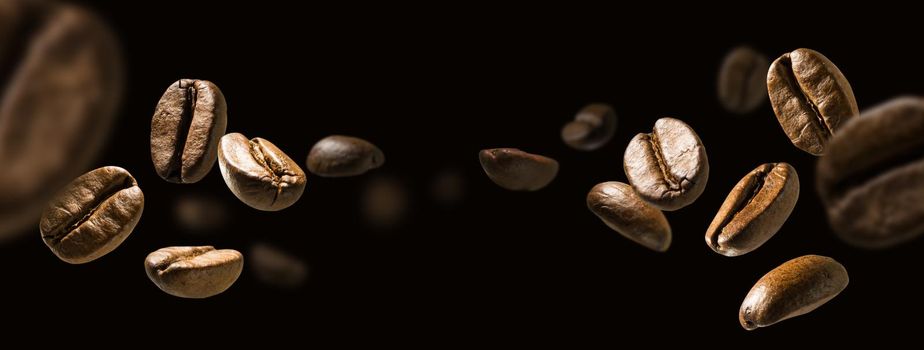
[[754, 210], [92, 215], [193, 272], [811, 98], [592, 127], [258, 173], [338, 156], [668, 167], [742, 80], [795, 288], [188, 122], [516, 170], [276, 268], [623, 211]]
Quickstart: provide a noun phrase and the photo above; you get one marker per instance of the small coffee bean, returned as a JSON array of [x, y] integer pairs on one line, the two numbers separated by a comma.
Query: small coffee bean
[[623, 211], [516, 170], [193, 272], [592, 127], [338, 156], [258, 173], [742, 80], [276, 268]]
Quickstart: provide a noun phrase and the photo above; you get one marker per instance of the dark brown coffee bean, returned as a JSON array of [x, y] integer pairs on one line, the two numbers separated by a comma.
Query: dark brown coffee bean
[[871, 180], [337, 156], [200, 213], [668, 167], [194, 272], [188, 122], [384, 202], [92, 215], [755, 209], [795, 288], [258, 173], [811, 98], [592, 127], [276, 268], [742, 80], [516, 170], [623, 211]]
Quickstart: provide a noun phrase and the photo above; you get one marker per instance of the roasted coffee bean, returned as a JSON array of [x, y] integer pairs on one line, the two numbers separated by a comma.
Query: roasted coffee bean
[[258, 173], [592, 127], [516, 170], [811, 98], [754, 210], [795, 288], [92, 215], [871, 180], [60, 86], [200, 213], [193, 272], [742, 80], [338, 156], [384, 202], [623, 211], [276, 268], [668, 167], [188, 122]]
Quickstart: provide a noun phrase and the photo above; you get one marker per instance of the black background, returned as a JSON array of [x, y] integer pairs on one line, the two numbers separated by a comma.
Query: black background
[[432, 87]]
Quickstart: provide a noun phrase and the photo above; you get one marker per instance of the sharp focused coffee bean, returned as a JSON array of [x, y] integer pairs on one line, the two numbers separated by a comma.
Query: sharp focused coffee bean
[[592, 127], [188, 122], [811, 98], [258, 173], [623, 211], [871, 180], [754, 210], [60, 85], [516, 170], [193, 272], [92, 215], [337, 156], [276, 268], [795, 288], [668, 167], [742, 80]]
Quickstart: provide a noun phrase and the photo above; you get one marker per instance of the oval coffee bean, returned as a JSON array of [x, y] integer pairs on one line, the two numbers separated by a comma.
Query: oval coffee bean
[[193, 272], [742, 80], [811, 98], [337, 156], [871, 180], [516, 170], [754, 210], [795, 288], [592, 127], [623, 211], [92, 215], [258, 173], [188, 122], [668, 167], [276, 268]]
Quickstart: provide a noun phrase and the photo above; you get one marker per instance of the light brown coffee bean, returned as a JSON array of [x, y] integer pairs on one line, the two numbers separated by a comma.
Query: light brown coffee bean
[[193, 272], [592, 127], [516, 170], [742, 80], [338, 156], [258, 173], [623, 211]]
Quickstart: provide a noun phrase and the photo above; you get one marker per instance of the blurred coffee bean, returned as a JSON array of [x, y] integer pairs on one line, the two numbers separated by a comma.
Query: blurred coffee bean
[[194, 272], [201, 213], [592, 127], [448, 186], [742, 80], [338, 156], [623, 211], [258, 173], [384, 202], [276, 268], [516, 170]]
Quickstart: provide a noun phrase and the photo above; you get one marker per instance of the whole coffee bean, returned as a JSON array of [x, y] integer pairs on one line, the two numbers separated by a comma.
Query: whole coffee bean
[[337, 156], [194, 272], [200, 213], [61, 84], [871, 180], [668, 167], [741, 80], [258, 173], [516, 170], [276, 268], [592, 127], [92, 215], [623, 211], [384, 202], [188, 122], [754, 210], [795, 288], [811, 98]]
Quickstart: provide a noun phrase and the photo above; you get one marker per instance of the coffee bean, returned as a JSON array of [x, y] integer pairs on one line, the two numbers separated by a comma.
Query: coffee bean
[[754, 210], [811, 98], [193, 272], [276, 268], [258, 173], [337, 156], [871, 180], [92, 215], [592, 127], [384, 202], [61, 84], [742, 80], [200, 213], [668, 167], [188, 122], [623, 211], [516, 170], [795, 288]]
